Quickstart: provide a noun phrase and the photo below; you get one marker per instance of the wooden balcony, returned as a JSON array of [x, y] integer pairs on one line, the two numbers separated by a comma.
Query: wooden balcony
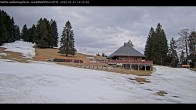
[[147, 62]]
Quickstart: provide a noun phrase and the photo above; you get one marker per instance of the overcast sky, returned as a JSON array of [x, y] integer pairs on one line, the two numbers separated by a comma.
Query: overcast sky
[[105, 29]]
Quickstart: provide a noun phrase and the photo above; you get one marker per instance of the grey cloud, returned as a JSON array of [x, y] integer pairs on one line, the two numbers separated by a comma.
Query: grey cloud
[[105, 29]]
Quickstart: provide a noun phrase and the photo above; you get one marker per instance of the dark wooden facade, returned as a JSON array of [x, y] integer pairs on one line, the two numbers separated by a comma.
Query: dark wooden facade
[[130, 62]]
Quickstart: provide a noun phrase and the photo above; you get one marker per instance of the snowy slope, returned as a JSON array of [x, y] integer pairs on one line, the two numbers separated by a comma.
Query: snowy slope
[[179, 83], [40, 82], [25, 48]]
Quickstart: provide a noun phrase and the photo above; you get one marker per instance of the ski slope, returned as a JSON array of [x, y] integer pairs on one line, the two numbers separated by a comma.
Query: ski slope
[[41, 82]]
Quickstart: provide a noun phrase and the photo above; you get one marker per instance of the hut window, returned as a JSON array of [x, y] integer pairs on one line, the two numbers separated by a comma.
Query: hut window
[[135, 58]]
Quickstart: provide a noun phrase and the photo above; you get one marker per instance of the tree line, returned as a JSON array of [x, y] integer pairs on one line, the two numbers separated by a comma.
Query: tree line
[[9, 32], [187, 44], [158, 50], [44, 34]]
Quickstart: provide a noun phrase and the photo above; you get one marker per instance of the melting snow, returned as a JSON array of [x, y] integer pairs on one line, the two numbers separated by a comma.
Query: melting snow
[[3, 54], [25, 48], [41, 82]]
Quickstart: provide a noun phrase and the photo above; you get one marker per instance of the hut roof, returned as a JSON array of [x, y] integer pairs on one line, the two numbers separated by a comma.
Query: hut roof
[[126, 50]]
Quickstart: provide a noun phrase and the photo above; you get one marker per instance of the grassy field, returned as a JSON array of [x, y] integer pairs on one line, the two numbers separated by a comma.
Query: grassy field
[[49, 53]]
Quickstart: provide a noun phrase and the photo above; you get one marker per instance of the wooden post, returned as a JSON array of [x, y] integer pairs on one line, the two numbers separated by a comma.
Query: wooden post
[[138, 67], [145, 67]]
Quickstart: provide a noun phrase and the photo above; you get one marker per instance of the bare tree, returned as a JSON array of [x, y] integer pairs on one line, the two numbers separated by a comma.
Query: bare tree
[[183, 41]]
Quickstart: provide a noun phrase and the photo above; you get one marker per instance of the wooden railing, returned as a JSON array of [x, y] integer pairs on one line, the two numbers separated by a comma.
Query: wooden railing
[[130, 61]]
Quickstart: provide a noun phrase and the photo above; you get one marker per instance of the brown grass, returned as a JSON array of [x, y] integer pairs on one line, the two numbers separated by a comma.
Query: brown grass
[[194, 69], [2, 49], [48, 53], [140, 80], [134, 72], [16, 56], [161, 93]]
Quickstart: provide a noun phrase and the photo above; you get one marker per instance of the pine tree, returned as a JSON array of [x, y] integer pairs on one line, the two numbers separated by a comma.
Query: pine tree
[[67, 40], [192, 47], [4, 18], [3, 31], [42, 33], [7, 28], [159, 47], [12, 33], [9, 23], [46, 35], [192, 57], [37, 38], [53, 34], [17, 32], [25, 33], [148, 46], [172, 53], [103, 55], [32, 32], [98, 54], [192, 42]]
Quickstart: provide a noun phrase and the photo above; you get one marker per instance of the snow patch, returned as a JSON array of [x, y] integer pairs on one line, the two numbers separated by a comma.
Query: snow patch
[[3, 54], [25, 48]]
